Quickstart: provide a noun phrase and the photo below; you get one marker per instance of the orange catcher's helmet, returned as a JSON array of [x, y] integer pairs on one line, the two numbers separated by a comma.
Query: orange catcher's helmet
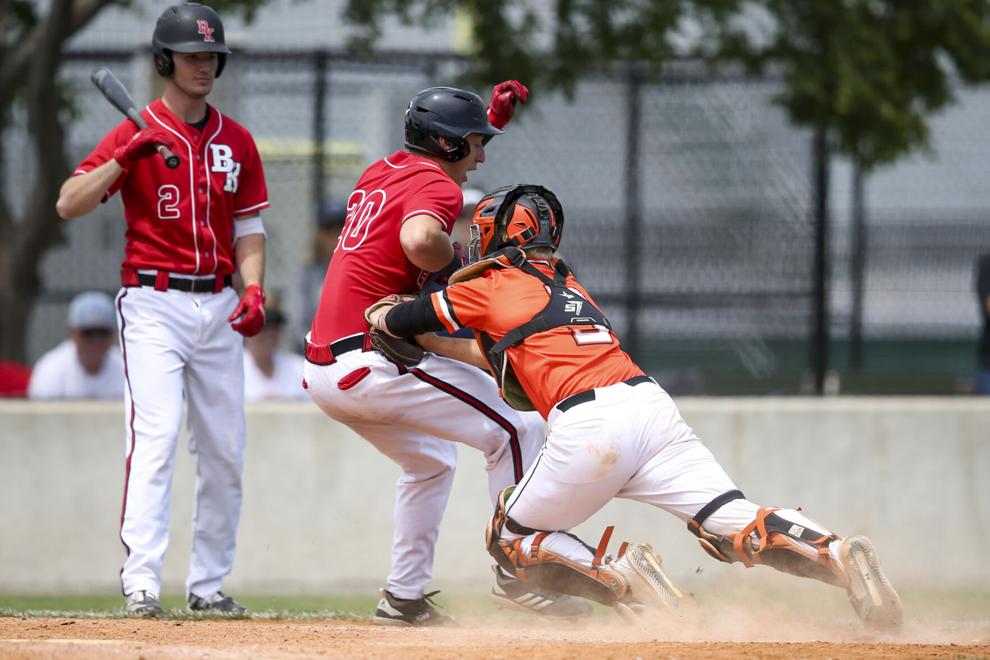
[[525, 216]]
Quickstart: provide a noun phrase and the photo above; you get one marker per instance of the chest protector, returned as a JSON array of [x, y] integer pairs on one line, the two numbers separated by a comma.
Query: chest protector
[[565, 307]]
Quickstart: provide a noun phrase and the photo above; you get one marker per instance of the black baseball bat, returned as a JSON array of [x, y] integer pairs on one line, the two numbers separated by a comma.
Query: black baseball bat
[[116, 93]]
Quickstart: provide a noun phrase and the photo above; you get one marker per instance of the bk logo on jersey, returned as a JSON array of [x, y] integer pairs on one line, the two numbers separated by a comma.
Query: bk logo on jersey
[[222, 160], [205, 30]]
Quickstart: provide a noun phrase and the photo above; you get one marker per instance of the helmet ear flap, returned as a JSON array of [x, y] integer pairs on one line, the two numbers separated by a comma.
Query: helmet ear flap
[[164, 64], [453, 150]]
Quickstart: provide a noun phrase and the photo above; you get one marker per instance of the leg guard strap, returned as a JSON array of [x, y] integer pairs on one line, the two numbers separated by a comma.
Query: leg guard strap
[[718, 547], [712, 507], [552, 571], [773, 540]]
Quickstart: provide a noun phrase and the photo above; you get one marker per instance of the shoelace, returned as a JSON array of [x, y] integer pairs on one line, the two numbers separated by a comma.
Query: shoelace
[[428, 598]]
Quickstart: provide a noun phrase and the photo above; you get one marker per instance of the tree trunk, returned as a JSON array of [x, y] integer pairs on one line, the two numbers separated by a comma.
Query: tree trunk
[[24, 243]]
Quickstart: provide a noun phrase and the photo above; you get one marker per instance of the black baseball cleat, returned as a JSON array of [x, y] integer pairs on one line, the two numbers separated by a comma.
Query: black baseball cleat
[[218, 603], [144, 603], [510, 593], [416, 612]]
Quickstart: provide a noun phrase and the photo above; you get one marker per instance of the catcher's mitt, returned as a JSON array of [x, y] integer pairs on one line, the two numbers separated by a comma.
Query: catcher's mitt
[[400, 351]]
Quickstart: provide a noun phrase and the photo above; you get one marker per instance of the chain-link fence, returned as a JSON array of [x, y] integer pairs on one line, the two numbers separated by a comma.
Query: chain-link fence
[[688, 203]]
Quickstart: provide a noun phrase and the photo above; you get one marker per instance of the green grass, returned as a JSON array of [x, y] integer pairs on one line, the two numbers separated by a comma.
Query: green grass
[[968, 605], [263, 607]]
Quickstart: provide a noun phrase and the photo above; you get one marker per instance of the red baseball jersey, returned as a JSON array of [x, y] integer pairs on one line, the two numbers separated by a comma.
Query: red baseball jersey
[[550, 365], [182, 220], [369, 262]]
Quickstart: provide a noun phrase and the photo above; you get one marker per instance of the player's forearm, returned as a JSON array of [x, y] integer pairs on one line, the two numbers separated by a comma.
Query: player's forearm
[[463, 350], [249, 256], [82, 193], [426, 244]]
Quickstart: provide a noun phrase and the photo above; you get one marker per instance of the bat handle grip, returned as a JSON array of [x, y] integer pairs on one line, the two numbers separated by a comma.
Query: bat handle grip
[[171, 160]]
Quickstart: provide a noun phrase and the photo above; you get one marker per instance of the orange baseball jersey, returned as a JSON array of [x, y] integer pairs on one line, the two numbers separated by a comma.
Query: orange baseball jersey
[[550, 365]]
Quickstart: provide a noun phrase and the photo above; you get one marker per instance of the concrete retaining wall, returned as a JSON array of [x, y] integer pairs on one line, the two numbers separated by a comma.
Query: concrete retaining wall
[[912, 473]]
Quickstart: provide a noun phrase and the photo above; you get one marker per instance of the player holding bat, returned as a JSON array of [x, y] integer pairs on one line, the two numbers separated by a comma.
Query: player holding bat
[[188, 230]]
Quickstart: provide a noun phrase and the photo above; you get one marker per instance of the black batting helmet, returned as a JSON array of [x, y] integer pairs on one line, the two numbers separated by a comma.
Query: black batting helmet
[[526, 216], [448, 113], [188, 28]]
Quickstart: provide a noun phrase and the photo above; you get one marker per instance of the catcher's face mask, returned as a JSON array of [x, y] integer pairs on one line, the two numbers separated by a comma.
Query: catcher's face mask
[[522, 215]]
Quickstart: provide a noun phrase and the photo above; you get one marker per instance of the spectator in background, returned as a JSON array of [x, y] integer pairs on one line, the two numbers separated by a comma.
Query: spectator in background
[[87, 365], [302, 300], [982, 384], [270, 373]]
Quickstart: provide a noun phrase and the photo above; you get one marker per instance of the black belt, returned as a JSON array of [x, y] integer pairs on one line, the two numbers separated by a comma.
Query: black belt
[[202, 285], [347, 344], [589, 395]]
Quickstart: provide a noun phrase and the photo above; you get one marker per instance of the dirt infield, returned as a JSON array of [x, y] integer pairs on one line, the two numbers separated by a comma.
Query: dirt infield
[[600, 638]]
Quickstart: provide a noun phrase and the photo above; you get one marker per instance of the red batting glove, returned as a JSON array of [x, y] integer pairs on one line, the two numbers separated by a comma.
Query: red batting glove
[[144, 143], [503, 103], [249, 317]]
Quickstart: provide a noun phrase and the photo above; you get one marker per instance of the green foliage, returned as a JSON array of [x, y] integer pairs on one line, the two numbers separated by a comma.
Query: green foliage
[[870, 72], [246, 8]]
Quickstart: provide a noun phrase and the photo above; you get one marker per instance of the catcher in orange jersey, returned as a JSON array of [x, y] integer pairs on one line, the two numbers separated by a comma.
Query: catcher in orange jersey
[[614, 432]]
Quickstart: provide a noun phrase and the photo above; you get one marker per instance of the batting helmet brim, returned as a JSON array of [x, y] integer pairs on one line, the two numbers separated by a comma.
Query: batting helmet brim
[[197, 47]]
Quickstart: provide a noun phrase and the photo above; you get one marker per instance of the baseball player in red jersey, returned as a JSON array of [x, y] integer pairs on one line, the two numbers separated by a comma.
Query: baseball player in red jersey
[[188, 230], [396, 235], [614, 432]]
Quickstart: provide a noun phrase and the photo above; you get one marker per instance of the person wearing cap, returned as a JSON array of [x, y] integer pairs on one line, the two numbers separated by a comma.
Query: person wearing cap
[[302, 300], [271, 373], [87, 365]]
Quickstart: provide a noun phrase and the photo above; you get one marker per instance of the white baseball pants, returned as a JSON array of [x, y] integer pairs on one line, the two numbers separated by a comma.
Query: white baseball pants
[[414, 416], [629, 442], [178, 347]]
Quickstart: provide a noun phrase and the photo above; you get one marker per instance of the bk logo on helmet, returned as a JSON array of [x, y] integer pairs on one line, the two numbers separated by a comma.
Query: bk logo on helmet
[[205, 30]]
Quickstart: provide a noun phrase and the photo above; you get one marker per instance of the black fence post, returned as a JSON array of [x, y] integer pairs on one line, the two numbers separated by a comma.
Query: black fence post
[[319, 127], [857, 267], [632, 239], [819, 300]]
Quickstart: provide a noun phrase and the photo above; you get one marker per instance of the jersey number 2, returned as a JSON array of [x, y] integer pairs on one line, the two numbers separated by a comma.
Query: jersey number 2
[[168, 202]]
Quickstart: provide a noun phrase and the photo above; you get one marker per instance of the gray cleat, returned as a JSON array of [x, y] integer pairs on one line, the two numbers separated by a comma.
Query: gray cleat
[[648, 585], [871, 594], [144, 603], [218, 603]]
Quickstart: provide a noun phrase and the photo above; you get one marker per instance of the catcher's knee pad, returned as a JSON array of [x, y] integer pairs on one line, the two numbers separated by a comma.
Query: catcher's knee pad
[[550, 570], [777, 537]]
